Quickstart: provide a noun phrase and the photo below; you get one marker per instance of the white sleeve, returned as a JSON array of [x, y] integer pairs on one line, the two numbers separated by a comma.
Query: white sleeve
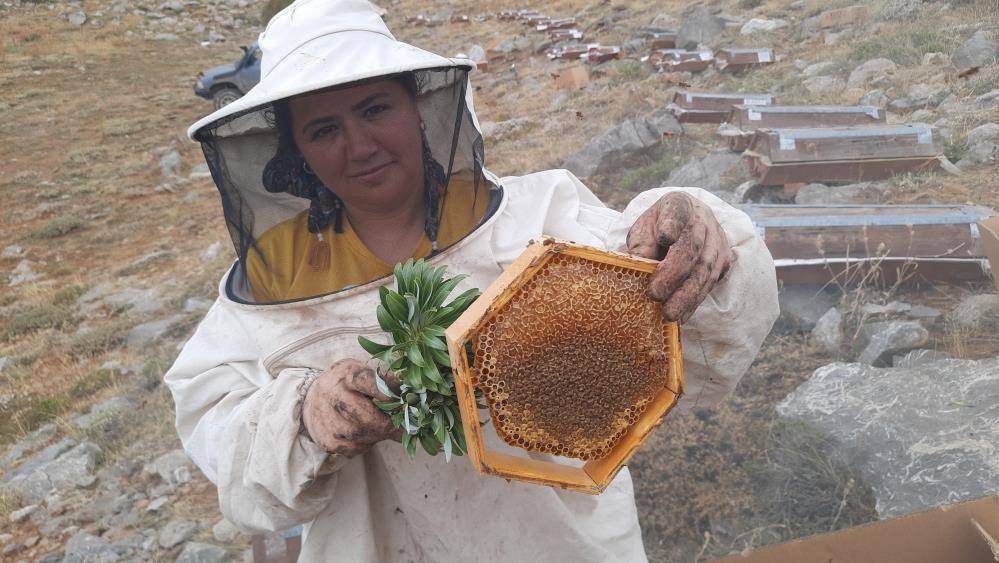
[[242, 428], [722, 338]]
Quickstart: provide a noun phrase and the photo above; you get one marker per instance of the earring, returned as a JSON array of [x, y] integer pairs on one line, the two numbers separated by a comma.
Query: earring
[[306, 168]]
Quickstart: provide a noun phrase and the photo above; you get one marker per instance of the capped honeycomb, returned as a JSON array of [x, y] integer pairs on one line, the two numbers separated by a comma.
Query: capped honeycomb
[[573, 359]]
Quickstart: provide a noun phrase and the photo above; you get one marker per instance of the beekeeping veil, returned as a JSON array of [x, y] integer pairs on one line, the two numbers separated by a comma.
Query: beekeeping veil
[[312, 45]]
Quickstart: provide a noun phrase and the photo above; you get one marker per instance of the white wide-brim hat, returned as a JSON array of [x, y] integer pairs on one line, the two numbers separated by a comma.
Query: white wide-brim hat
[[317, 44]]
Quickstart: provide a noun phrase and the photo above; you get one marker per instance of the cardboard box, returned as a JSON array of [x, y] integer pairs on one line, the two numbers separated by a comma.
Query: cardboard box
[[988, 229], [960, 532]]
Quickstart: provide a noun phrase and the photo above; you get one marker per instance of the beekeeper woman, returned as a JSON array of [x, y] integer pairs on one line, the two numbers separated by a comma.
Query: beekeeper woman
[[356, 151]]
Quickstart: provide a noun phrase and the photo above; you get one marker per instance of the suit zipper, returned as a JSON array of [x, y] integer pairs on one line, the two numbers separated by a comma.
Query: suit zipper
[[283, 352]]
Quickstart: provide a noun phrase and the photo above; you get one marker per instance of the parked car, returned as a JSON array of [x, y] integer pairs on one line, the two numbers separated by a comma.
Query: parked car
[[227, 83]]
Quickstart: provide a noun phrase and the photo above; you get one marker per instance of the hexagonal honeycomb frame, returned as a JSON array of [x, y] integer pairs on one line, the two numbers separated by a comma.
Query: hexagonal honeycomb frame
[[595, 475]]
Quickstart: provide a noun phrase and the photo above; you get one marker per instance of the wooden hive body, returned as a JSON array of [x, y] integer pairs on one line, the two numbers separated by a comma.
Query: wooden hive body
[[572, 359], [812, 244], [707, 107], [735, 59], [842, 154], [744, 120]]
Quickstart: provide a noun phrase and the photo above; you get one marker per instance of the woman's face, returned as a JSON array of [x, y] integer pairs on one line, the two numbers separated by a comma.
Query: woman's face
[[363, 143]]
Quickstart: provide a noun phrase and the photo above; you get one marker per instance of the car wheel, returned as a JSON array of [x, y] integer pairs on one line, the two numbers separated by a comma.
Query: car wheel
[[225, 96]]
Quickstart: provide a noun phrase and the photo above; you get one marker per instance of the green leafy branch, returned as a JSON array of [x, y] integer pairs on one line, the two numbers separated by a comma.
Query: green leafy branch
[[415, 318]]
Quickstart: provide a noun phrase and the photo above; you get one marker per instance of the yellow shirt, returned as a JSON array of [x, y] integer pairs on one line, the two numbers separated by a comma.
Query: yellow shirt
[[285, 273]]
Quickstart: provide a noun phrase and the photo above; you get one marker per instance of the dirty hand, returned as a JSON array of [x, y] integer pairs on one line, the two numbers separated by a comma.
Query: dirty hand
[[683, 233], [338, 412]]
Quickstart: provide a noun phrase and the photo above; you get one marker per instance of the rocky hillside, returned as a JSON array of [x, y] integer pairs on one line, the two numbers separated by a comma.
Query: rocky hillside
[[112, 246]]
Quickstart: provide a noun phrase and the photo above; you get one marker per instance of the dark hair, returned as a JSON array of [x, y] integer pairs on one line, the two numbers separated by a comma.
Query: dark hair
[[286, 171]]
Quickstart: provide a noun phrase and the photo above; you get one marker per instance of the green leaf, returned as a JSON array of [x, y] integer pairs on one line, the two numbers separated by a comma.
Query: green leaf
[[372, 348], [415, 356], [429, 443], [434, 330], [396, 305], [384, 388], [398, 277], [432, 373], [441, 357], [440, 431], [412, 307], [385, 320], [413, 377], [447, 447], [445, 289], [434, 342], [410, 444], [387, 406]]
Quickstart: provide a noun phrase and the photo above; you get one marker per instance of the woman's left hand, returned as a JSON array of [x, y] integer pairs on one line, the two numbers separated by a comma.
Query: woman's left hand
[[693, 250]]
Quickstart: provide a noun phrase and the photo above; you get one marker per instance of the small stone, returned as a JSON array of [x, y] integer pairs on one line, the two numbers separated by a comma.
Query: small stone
[[11, 549], [801, 306], [32, 540], [170, 163], [23, 514], [77, 18], [175, 533], [889, 338], [935, 59], [828, 330], [757, 25], [197, 552], [923, 312], [172, 467], [871, 70], [87, 547], [147, 333], [166, 37], [12, 251], [200, 171], [876, 98], [974, 310], [212, 252], [225, 531], [824, 84], [818, 68], [197, 304], [157, 504]]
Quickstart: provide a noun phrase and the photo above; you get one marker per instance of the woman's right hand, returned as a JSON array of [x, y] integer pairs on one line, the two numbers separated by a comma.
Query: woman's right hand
[[339, 413]]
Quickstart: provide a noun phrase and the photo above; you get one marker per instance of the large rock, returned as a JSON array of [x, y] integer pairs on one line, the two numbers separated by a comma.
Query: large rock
[[977, 51], [801, 306], [72, 468], [818, 69], [820, 194], [617, 146], [719, 170], [104, 413], [872, 71], [920, 437], [142, 301], [886, 339], [698, 28], [973, 310], [919, 357]]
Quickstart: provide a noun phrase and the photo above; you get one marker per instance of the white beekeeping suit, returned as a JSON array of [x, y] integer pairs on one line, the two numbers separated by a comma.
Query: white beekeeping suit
[[238, 383]]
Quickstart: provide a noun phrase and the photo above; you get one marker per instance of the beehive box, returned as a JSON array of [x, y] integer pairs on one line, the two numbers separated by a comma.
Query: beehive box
[[813, 244], [842, 154], [744, 120], [661, 40], [572, 359], [708, 107], [680, 60], [733, 59]]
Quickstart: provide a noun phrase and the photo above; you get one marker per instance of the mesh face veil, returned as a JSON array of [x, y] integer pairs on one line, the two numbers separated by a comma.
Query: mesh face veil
[[278, 213]]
